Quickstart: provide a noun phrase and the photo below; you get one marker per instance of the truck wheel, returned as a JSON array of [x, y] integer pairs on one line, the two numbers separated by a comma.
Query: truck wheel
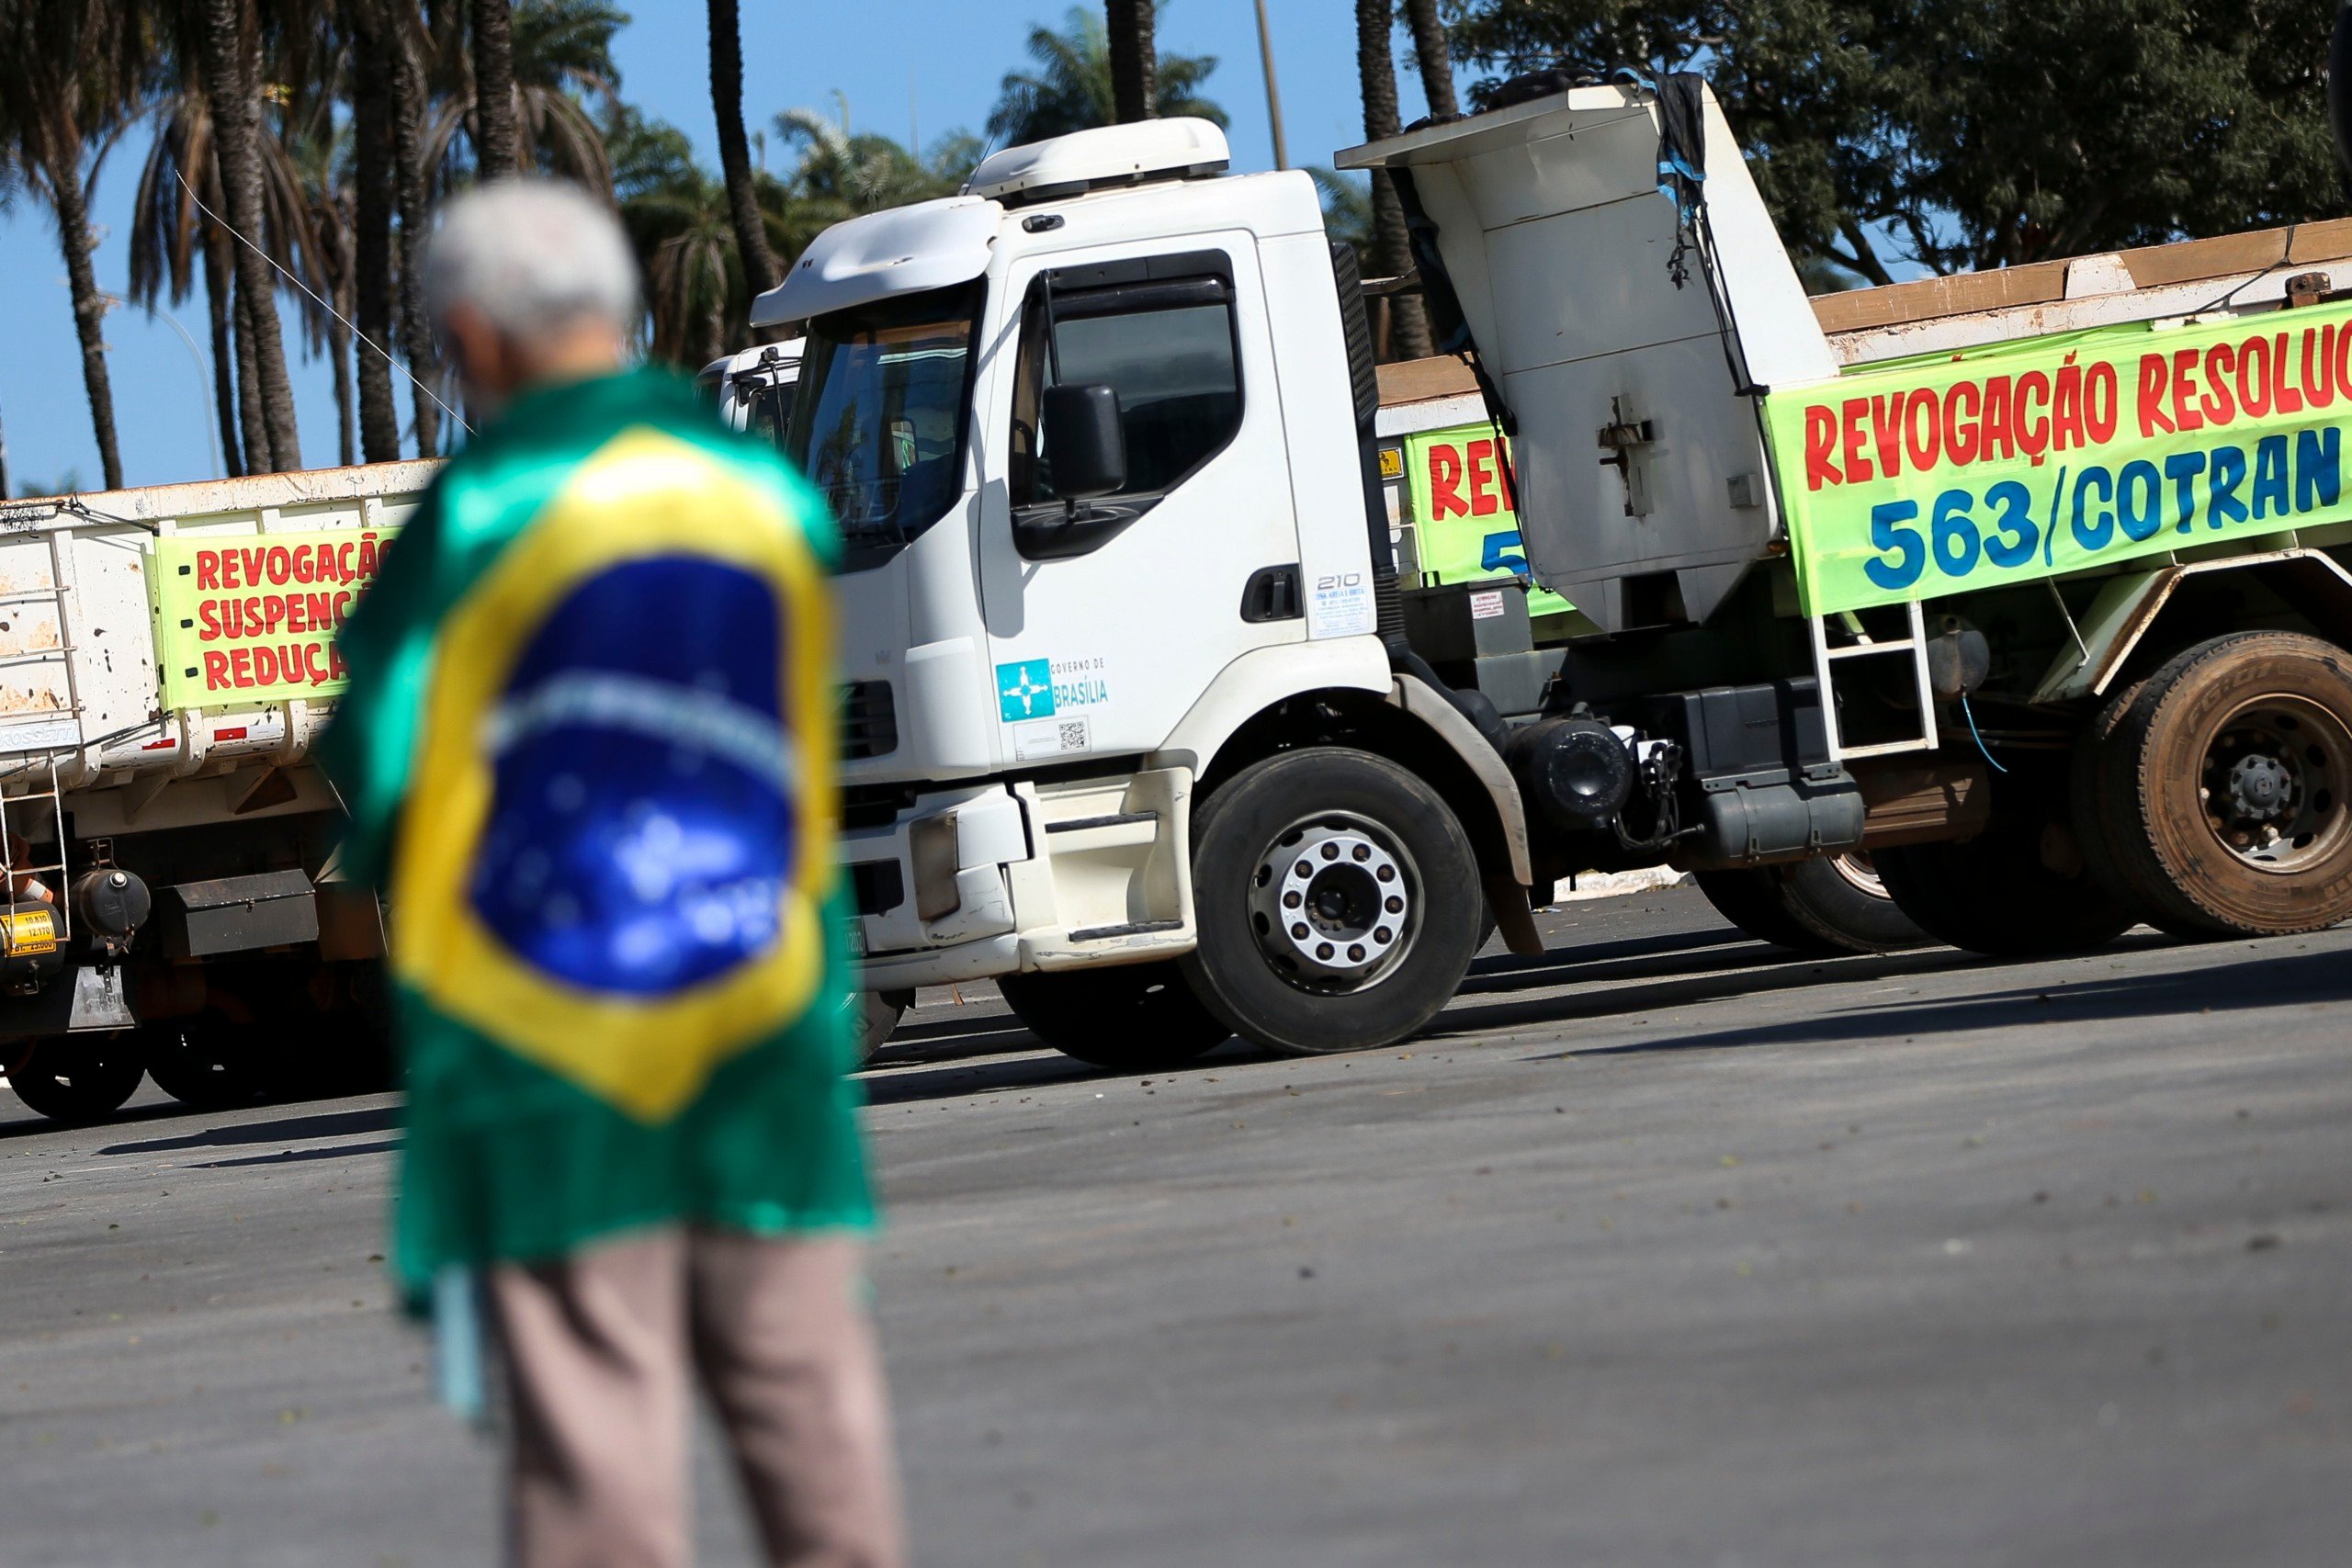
[[205, 1062], [873, 1017], [2223, 786], [76, 1079], [1337, 900], [1137, 1018], [1826, 906], [2022, 888]]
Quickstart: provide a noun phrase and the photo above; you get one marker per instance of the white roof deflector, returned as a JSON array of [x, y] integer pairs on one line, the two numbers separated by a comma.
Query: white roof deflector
[[932, 244], [1108, 156]]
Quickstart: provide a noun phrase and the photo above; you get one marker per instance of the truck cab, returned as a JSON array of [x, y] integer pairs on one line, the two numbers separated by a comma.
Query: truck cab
[[1095, 436]]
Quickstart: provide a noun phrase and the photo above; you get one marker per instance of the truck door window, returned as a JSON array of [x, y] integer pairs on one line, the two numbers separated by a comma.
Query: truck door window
[[1165, 346]]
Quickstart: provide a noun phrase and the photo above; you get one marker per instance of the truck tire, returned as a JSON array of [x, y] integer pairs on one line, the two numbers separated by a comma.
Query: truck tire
[[1137, 1018], [873, 1017], [78, 1078], [2022, 888], [1338, 900], [1828, 906], [2220, 788], [206, 1062]]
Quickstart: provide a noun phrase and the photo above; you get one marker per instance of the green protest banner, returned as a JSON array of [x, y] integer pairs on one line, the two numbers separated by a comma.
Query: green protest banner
[[1466, 522], [249, 618], [1946, 474]]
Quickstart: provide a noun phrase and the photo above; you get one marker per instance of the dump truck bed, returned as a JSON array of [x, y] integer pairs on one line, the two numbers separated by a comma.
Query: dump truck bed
[[133, 626]]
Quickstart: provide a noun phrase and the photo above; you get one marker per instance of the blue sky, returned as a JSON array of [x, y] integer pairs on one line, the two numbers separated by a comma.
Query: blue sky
[[795, 54]]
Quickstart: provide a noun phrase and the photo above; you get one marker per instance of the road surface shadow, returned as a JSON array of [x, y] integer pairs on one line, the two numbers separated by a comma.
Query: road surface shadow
[[1696, 990], [283, 1129], [2257, 980], [289, 1156], [34, 1123]]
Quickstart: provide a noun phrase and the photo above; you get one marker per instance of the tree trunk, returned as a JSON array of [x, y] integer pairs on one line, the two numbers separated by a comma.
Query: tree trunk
[[497, 153], [347, 427], [249, 416], [1436, 58], [89, 311], [1392, 253], [218, 271], [1135, 59], [760, 268], [415, 207], [372, 198], [236, 103]]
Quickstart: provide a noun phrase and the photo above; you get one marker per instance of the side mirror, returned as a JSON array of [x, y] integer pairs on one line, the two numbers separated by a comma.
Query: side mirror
[[1084, 441]]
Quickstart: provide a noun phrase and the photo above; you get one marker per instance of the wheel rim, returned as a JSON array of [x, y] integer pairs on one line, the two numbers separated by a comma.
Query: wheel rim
[[1857, 869], [1335, 903], [2272, 784]]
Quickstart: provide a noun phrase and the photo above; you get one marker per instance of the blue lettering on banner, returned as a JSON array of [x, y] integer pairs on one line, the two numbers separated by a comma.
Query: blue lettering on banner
[[2196, 492], [1024, 688]]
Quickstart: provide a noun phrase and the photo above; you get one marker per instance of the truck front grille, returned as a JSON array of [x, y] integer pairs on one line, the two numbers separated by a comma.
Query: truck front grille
[[869, 720]]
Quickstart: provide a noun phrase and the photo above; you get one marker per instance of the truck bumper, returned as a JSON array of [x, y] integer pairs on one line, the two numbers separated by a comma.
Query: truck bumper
[[969, 883]]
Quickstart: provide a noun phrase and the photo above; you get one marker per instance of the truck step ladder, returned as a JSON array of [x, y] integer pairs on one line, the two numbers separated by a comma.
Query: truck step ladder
[[1827, 659]]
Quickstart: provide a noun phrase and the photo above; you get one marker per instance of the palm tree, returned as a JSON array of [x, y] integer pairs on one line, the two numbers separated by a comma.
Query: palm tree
[[374, 191], [1433, 56], [1347, 213], [734, 152], [840, 174], [1069, 88], [1133, 51], [497, 146], [170, 236], [232, 87], [71, 75], [680, 225], [411, 173], [562, 57], [1408, 332]]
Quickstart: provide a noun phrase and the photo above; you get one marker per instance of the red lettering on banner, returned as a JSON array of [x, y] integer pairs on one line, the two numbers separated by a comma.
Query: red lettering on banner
[[1850, 413], [1922, 442], [1886, 433], [216, 668], [1445, 483], [2183, 387], [1483, 503], [2218, 406], [208, 569], [2288, 400], [2151, 395], [1820, 447], [241, 667]]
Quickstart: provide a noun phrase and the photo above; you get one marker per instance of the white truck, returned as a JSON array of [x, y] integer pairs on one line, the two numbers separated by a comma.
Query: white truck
[[1145, 725], [166, 660]]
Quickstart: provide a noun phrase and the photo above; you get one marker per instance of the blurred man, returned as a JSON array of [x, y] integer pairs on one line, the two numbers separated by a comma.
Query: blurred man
[[587, 751]]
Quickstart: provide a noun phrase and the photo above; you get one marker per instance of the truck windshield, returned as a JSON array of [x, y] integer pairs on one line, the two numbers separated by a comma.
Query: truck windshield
[[878, 421]]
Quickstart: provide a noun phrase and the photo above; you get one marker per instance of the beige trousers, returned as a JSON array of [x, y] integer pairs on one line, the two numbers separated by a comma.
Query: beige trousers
[[602, 1349]]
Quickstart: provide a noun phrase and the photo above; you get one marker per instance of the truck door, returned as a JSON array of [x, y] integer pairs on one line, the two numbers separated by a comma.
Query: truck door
[[1101, 635]]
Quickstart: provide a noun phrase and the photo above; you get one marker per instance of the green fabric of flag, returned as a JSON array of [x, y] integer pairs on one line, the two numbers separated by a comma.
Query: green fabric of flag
[[590, 697]]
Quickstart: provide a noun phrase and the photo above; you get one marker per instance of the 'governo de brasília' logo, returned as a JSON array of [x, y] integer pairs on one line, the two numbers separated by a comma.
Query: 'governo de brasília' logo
[[1024, 689]]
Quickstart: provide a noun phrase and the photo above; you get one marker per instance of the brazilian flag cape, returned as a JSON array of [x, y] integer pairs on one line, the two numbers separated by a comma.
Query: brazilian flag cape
[[587, 752]]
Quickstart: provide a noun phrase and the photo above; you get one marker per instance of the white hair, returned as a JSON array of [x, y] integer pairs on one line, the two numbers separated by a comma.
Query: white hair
[[534, 256]]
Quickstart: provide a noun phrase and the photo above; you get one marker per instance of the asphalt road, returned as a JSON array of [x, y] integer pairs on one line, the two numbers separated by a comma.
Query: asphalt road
[[1664, 1251]]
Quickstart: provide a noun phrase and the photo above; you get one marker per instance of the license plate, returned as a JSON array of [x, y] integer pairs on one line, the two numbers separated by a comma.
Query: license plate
[[26, 931]]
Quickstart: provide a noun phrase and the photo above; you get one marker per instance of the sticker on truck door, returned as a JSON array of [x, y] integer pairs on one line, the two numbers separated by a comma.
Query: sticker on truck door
[[1340, 603], [1030, 689]]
